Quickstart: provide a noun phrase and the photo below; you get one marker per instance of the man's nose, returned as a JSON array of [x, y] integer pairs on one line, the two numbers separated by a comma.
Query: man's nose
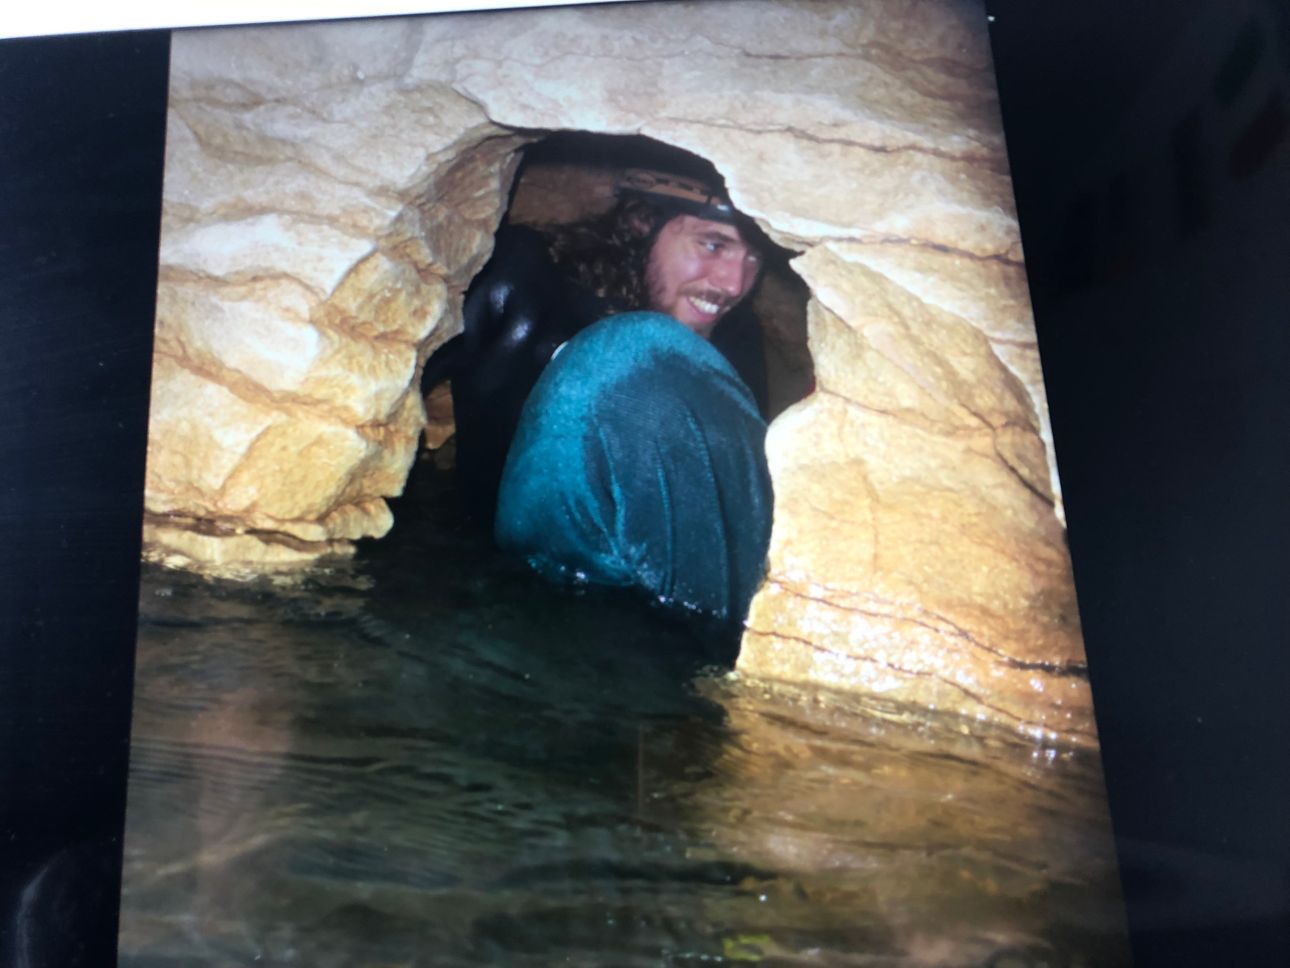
[[729, 275]]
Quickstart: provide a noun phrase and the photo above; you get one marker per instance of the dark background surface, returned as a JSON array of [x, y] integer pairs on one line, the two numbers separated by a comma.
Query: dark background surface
[[1154, 215], [1149, 151], [82, 127]]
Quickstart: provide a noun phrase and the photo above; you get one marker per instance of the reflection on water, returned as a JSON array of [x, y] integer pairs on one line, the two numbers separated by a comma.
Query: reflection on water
[[428, 757]]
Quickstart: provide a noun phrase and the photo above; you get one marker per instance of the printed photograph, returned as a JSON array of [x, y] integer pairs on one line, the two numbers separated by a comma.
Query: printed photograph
[[601, 507]]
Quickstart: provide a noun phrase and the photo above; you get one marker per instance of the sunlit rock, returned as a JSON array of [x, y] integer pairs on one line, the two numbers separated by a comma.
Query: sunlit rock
[[331, 189]]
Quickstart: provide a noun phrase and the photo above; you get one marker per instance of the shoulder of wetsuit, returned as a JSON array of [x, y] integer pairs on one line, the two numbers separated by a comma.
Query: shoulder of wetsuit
[[521, 303], [493, 311], [519, 269], [738, 337]]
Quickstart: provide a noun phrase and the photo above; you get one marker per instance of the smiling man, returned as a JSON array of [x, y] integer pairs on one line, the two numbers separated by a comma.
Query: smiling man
[[608, 389], [698, 270]]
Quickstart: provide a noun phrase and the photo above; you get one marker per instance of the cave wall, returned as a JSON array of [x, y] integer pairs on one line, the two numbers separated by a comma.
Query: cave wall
[[330, 190]]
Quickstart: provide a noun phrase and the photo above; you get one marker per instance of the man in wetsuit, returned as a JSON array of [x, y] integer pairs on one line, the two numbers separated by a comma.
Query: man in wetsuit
[[607, 389]]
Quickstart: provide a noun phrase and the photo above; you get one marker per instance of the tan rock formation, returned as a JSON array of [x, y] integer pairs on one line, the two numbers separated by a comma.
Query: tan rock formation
[[320, 220], [331, 189]]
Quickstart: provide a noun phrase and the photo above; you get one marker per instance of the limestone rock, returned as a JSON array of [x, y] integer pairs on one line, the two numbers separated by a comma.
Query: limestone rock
[[331, 189], [309, 264]]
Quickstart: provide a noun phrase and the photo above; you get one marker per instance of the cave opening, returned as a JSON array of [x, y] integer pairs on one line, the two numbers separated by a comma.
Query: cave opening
[[565, 178]]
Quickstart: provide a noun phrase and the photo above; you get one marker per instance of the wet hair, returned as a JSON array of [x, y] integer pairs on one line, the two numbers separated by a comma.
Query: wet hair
[[608, 254]]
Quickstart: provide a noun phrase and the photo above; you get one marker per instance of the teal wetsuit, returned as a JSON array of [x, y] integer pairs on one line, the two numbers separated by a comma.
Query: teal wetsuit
[[639, 461]]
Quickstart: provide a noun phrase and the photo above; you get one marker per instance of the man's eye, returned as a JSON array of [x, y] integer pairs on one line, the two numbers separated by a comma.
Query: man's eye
[[714, 247]]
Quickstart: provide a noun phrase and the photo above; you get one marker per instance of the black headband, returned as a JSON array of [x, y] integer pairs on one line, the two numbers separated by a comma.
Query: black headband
[[678, 193]]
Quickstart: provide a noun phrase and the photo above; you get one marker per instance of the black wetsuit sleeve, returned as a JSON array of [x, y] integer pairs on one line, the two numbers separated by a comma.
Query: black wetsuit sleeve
[[442, 365]]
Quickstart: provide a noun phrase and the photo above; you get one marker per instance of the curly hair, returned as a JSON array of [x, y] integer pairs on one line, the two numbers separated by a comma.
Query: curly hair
[[608, 254]]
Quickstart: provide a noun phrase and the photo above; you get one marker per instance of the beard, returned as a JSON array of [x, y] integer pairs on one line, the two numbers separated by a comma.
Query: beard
[[697, 307]]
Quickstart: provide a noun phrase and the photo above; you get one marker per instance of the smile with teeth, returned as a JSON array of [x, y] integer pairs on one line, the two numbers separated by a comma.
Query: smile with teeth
[[704, 306]]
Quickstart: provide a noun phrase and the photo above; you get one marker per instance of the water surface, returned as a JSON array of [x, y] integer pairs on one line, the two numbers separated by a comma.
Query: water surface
[[427, 756]]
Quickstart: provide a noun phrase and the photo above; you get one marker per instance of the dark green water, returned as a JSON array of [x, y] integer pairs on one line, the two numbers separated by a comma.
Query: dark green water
[[426, 756]]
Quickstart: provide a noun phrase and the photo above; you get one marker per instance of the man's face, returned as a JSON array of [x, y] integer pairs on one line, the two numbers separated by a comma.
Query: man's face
[[698, 270]]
